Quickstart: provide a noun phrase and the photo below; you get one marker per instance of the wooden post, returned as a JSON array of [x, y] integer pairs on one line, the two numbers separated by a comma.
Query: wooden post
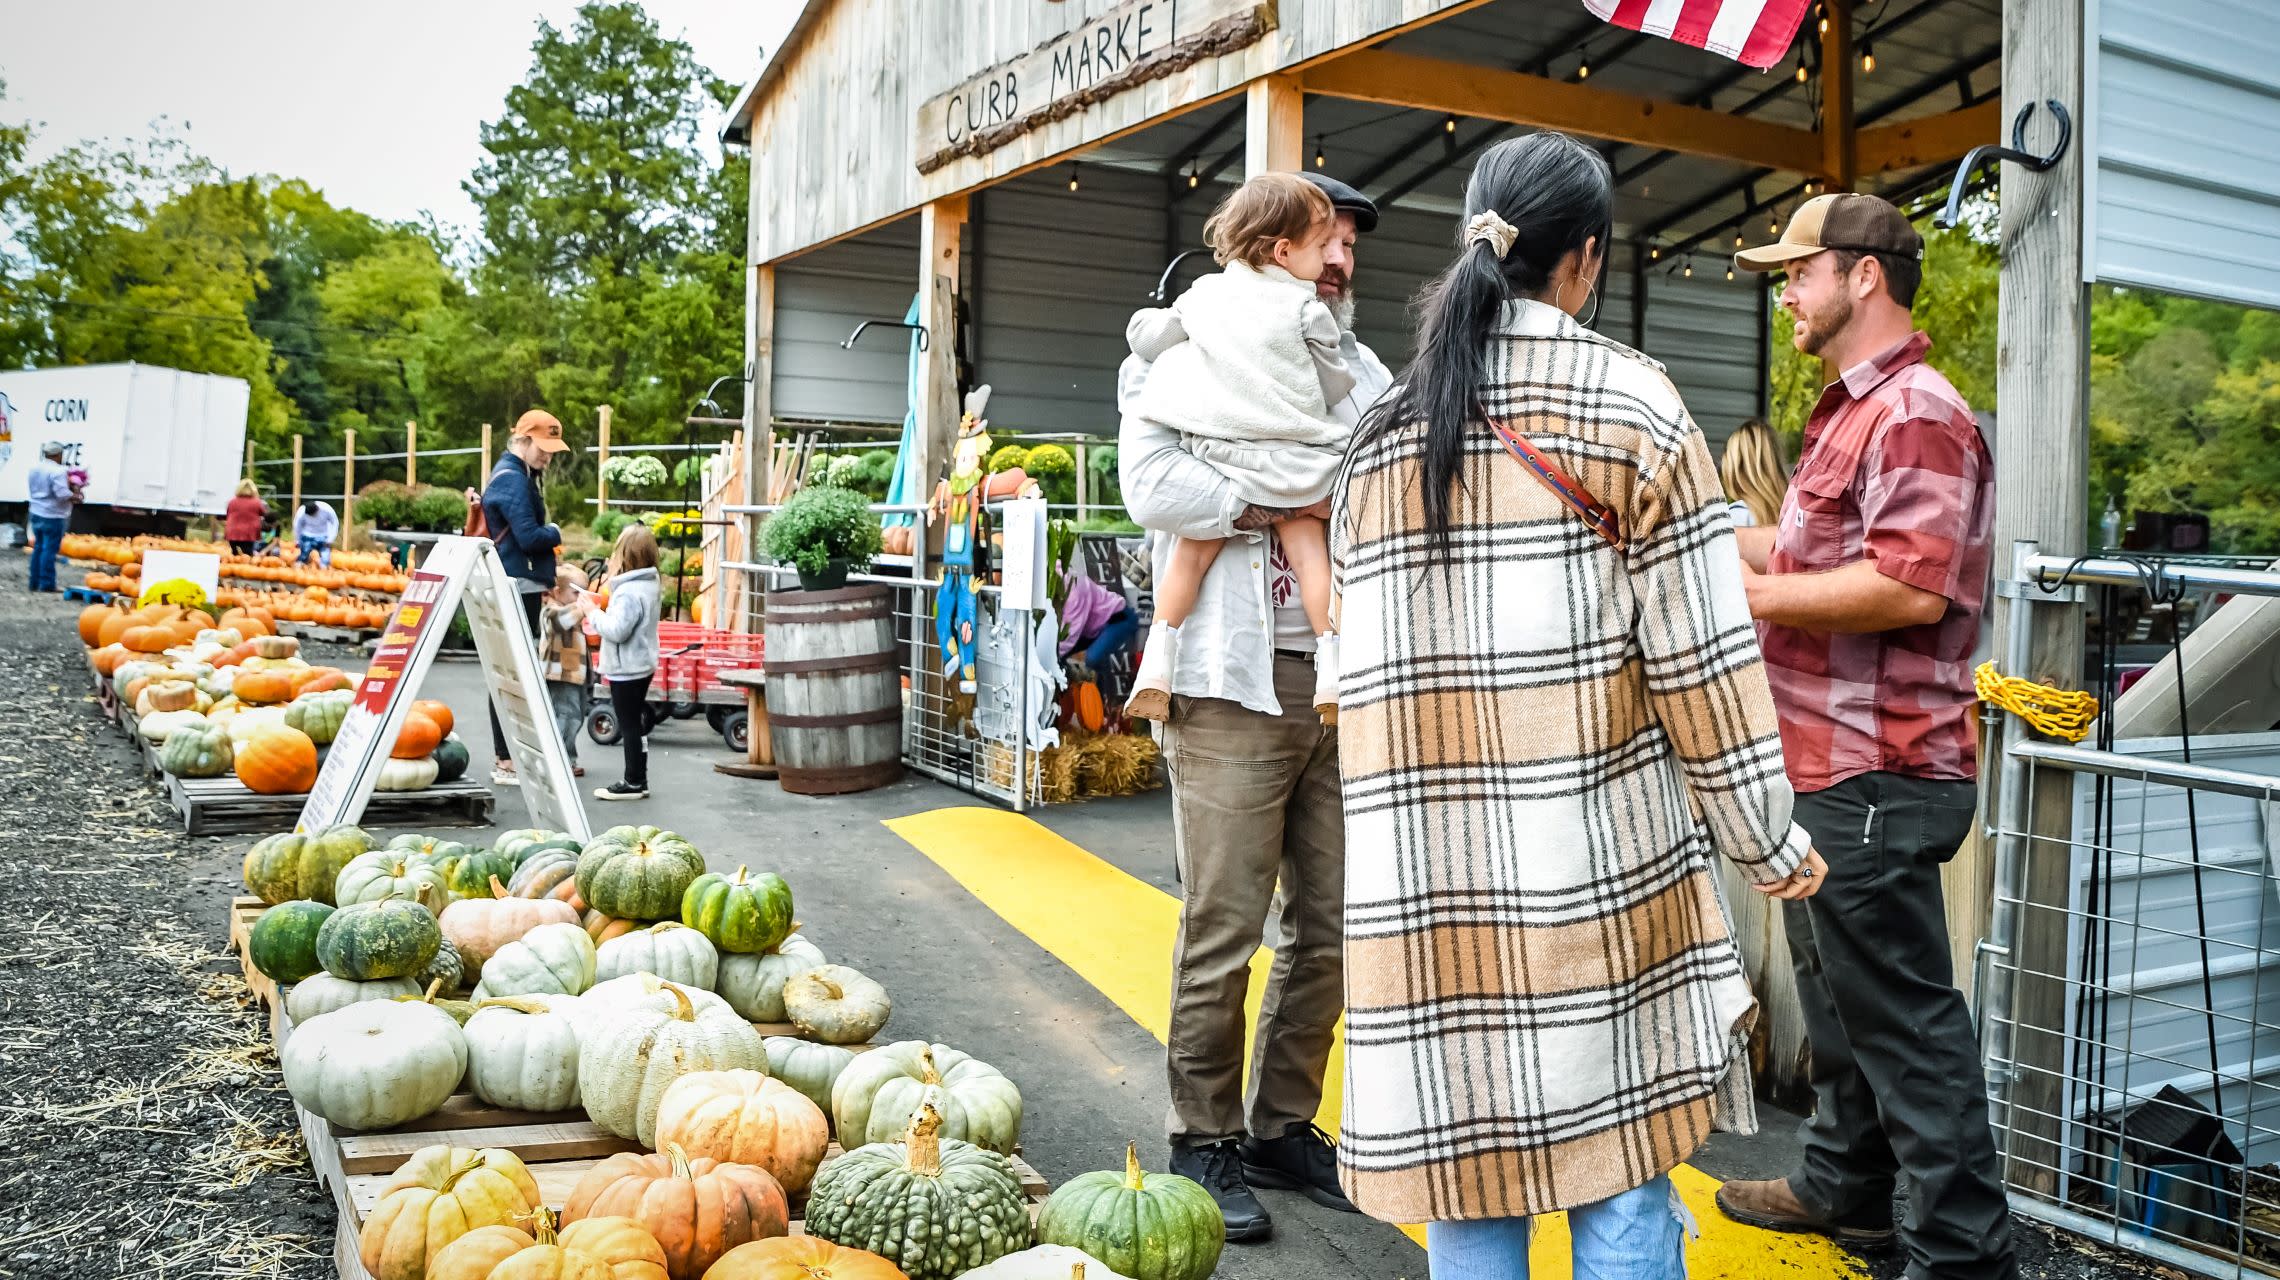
[[296, 479], [938, 409], [249, 457], [1274, 130], [1084, 480], [748, 602], [2042, 472], [411, 453], [483, 459], [602, 463], [347, 481], [1839, 143]]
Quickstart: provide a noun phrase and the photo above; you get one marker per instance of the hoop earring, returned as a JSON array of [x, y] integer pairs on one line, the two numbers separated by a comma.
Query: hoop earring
[[1596, 298]]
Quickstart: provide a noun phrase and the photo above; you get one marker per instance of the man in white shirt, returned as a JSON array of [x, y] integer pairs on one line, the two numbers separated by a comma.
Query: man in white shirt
[[1255, 799]]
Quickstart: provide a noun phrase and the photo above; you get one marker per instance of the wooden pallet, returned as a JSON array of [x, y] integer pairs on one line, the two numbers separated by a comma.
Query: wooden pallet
[[559, 1147], [225, 806], [85, 595], [327, 635]]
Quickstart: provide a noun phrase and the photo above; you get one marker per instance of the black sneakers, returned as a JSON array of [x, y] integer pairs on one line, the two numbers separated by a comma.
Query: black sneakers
[[1220, 1170], [1302, 1159], [621, 791]]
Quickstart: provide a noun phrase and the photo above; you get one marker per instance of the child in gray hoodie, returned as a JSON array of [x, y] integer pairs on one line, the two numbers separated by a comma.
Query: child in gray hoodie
[[628, 628]]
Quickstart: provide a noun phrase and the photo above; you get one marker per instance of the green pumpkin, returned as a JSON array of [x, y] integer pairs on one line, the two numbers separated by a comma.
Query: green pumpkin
[[469, 875], [744, 913], [1150, 1226], [446, 968], [127, 673], [522, 842], [391, 938], [936, 1208], [450, 756], [284, 867], [808, 1067], [319, 714], [638, 873], [284, 940], [389, 873], [543, 872], [197, 751]]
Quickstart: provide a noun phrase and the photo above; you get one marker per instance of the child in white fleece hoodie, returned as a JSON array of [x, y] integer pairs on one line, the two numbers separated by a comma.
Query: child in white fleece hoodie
[[1245, 366]]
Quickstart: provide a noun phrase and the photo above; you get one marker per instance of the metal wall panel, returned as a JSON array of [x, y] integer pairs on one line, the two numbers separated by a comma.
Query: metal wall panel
[[820, 298], [2183, 174]]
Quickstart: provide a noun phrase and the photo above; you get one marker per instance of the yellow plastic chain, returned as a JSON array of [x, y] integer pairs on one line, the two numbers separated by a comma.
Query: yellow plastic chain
[[2061, 713]]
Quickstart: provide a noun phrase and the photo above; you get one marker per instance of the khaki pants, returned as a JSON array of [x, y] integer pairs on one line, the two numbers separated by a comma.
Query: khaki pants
[[1254, 798]]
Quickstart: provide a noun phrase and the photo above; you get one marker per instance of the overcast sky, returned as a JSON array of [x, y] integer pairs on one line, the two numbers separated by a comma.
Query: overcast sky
[[377, 104]]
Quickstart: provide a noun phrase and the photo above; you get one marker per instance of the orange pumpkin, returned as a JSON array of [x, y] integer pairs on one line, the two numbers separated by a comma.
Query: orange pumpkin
[[418, 738], [317, 593], [318, 680], [115, 627], [148, 639], [104, 582], [801, 1258], [618, 1248], [131, 570], [602, 928], [436, 711], [263, 686], [1090, 712], [742, 1117], [698, 1209], [277, 761], [108, 658], [91, 620]]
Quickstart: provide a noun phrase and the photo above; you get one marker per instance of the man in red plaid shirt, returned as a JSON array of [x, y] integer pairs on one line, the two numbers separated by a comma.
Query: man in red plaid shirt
[[1868, 594]]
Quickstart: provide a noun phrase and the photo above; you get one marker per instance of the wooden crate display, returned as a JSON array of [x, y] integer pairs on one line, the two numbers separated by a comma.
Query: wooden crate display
[[559, 1147]]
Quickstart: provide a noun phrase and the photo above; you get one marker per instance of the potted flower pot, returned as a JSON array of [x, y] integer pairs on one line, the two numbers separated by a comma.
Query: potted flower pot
[[832, 578]]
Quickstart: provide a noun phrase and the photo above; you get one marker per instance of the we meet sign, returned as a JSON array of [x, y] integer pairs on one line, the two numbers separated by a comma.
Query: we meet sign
[[1131, 44]]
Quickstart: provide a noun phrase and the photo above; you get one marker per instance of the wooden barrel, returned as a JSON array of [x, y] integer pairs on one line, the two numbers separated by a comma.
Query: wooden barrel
[[834, 689]]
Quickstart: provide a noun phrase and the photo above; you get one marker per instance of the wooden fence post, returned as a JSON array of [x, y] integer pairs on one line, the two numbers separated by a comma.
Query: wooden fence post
[[483, 471], [296, 478], [602, 463], [411, 454], [249, 457], [347, 480]]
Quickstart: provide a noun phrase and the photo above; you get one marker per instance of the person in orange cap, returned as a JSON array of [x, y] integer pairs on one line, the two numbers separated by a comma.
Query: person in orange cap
[[514, 514]]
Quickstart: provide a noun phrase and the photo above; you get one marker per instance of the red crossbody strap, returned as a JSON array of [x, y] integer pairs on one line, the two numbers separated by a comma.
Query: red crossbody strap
[[1595, 513]]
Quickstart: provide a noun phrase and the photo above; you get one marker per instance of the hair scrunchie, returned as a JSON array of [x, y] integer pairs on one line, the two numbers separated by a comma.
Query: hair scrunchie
[[1489, 227]]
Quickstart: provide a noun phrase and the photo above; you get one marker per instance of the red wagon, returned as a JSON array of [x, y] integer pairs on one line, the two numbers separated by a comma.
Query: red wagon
[[691, 660]]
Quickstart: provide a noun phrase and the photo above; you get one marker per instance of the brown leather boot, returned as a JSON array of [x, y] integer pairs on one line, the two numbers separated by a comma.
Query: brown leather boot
[[1773, 1206]]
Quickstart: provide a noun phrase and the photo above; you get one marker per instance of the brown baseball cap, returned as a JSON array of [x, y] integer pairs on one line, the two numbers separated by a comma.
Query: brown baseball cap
[[1863, 224], [543, 427]]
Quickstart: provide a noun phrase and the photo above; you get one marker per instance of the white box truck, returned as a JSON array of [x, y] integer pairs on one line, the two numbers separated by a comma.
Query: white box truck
[[151, 439]]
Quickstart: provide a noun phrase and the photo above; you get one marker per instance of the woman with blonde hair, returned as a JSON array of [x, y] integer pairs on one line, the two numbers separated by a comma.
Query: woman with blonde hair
[[628, 628], [1754, 473], [241, 520]]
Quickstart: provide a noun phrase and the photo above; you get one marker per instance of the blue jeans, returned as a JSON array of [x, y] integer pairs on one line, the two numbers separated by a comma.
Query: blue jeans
[[322, 551], [47, 541], [569, 702], [1114, 637], [1638, 1235]]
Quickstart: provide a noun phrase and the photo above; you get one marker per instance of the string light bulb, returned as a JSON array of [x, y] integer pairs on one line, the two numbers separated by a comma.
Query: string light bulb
[[1654, 253], [1583, 67], [1801, 75], [1868, 60], [1773, 224], [1737, 236], [1689, 266], [1729, 273], [1320, 159], [1194, 179], [1072, 177], [1449, 125]]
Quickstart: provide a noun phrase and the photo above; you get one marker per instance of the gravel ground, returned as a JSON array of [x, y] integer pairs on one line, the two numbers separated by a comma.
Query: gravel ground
[[139, 1094]]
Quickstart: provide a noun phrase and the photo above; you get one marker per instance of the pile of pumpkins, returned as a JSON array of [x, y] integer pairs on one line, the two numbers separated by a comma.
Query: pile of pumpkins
[[619, 976], [217, 696], [347, 566]]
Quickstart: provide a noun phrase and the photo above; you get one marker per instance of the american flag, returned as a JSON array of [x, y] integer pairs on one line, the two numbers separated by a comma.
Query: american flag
[[1755, 33]]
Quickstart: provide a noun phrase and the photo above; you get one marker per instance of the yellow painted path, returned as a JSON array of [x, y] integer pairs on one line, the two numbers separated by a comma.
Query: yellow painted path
[[1115, 931]]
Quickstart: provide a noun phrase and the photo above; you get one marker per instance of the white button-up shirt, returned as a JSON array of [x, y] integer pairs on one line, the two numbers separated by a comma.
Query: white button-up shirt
[[1227, 647]]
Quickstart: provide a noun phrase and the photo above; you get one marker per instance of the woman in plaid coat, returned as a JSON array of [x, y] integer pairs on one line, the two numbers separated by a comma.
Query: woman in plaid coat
[[1554, 717]]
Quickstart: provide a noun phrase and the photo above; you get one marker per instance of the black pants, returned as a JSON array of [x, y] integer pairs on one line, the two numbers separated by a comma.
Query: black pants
[[630, 699], [530, 603], [241, 546], [1897, 1083]]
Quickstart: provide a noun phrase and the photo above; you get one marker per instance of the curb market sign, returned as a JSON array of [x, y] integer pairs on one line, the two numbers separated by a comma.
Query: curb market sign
[[1131, 44]]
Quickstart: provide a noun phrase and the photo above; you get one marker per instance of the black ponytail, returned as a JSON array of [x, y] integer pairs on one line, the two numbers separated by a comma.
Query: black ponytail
[[1557, 194]]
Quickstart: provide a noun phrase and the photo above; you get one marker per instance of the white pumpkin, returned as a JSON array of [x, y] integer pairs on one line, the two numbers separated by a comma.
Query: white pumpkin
[[406, 775], [754, 984], [1045, 1262], [249, 721], [389, 873], [629, 1057], [375, 1065], [671, 950], [553, 959], [647, 991], [323, 993], [158, 724], [522, 1052]]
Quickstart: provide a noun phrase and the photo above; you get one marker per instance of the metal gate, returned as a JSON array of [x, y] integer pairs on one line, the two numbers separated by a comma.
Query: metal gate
[[2129, 986]]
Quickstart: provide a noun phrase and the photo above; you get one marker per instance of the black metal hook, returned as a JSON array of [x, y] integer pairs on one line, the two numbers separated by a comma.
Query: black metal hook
[[919, 329], [2016, 153], [1164, 282]]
